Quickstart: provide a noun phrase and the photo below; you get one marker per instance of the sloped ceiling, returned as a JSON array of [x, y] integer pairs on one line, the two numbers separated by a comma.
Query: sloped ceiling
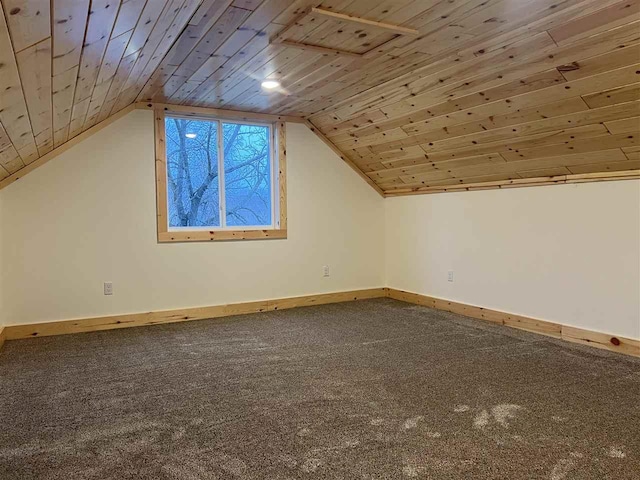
[[484, 91]]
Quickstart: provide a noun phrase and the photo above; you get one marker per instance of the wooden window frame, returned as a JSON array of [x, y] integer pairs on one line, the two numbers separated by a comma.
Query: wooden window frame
[[279, 152]]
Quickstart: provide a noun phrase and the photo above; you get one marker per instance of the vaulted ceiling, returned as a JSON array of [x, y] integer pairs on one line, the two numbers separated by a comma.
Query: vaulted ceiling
[[418, 95]]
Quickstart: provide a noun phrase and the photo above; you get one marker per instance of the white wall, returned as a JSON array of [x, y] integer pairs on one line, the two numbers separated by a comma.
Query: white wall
[[568, 254], [88, 216]]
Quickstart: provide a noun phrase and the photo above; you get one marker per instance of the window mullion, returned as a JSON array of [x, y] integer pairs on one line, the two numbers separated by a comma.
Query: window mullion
[[221, 187], [275, 185]]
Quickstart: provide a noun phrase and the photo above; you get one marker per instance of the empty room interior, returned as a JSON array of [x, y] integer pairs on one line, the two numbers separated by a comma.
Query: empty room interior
[[306, 239]]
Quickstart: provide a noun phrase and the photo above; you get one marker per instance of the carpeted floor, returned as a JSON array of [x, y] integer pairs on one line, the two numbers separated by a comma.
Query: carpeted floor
[[376, 389]]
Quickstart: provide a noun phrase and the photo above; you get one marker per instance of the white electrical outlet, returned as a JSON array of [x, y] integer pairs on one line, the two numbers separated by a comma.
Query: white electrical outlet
[[325, 271], [108, 288], [450, 276]]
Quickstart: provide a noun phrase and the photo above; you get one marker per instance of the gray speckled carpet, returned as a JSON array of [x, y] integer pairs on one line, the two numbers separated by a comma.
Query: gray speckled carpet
[[375, 389]]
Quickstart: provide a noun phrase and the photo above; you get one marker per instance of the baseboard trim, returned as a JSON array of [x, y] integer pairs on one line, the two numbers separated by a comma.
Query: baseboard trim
[[63, 327], [601, 340]]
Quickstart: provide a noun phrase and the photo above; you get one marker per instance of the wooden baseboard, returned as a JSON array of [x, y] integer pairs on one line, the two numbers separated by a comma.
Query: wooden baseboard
[[571, 334], [14, 332]]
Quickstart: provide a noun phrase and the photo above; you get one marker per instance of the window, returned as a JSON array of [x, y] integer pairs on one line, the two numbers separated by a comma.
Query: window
[[219, 178]]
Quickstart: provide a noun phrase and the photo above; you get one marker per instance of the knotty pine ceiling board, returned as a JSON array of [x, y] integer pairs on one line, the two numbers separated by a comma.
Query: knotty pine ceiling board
[[487, 90]]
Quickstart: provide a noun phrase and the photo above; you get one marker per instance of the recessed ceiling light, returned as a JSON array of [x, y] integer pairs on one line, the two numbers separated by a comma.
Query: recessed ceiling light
[[270, 84], [190, 135]]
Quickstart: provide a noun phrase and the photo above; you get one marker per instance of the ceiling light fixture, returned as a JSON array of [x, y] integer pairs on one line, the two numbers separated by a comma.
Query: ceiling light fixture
[[190, 135], [270, 84]]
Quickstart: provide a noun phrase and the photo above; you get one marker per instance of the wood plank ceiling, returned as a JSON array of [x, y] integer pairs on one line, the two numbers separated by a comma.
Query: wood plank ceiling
[[486, 91]]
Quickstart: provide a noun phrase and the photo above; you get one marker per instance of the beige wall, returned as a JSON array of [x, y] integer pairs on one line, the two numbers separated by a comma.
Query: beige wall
[[88, 216], [569, 254]]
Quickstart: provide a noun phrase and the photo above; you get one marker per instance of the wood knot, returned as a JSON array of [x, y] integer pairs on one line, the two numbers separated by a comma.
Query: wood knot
[[615, 341], [569, 67]]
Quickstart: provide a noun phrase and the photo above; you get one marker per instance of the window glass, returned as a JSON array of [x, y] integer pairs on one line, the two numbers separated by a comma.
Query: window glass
[[192, 173], [197, 194], [247, 174]]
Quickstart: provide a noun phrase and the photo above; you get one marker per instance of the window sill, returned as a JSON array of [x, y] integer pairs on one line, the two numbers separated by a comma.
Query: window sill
[[220, 235]]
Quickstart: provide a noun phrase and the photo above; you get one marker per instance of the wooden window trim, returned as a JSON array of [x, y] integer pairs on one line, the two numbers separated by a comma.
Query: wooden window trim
[[165, 235]]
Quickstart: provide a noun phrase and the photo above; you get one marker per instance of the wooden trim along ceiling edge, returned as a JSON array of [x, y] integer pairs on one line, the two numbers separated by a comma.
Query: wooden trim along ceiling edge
[[521, 182], [601, 340], [591, 338], [526, 182], [218, 112]]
